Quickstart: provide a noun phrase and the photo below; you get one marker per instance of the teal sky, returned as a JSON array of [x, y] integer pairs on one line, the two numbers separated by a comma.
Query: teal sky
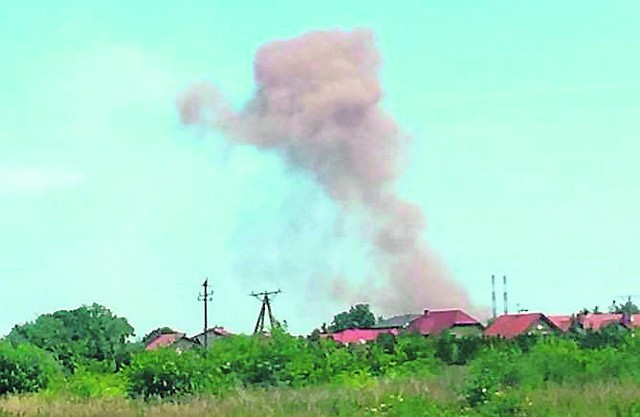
[[525, 119]]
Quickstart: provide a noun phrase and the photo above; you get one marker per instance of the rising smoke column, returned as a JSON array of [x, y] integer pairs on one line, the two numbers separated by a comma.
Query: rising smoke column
[[317, 103]]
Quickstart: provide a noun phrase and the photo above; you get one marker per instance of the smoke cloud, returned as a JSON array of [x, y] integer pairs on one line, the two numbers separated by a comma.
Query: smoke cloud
[[317, 103]]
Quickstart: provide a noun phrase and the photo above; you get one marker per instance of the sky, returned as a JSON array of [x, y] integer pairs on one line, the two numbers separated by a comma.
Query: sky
[[524, 122]]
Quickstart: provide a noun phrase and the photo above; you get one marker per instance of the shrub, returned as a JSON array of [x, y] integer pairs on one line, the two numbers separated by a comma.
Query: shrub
[[491, 372], [410, 347], [167, 373], [553, 360], [87, 384], [25, 368]]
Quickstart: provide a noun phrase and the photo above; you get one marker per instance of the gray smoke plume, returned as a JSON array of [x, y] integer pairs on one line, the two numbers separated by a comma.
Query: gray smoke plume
[[317, 103]]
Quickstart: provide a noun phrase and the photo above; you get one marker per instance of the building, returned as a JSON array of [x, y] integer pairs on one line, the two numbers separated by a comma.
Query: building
[[563, 322], [348, 336], [513, 325], [213, 334], [455, 321], [177, 341], [597, 322], [396, 322]]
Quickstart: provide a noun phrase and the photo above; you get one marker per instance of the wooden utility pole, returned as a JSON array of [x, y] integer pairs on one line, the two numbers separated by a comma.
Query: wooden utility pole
[[265, 297], [205, 297]]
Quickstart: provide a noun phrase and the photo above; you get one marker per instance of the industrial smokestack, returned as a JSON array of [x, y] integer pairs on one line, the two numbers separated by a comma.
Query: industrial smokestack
[[505, 299], [494, 307]]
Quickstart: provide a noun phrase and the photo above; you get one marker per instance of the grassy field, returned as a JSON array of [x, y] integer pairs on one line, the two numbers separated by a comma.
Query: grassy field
[[409, 397]]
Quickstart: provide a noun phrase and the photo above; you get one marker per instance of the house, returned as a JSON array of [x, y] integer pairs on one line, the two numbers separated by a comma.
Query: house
[[596, 322], [563, 322], [212, 335], [632, 321], [178, 341], [456, 321], [396, 322], [513, 325], [599, 321], [348, 336]]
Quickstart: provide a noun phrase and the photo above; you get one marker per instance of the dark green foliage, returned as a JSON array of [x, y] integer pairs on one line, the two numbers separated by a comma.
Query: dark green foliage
[[167, 373], [358, 316], [25, 368], [75, 336], [276, 360], [609, 336], [553, 360], [628, 307], [497, 373], [155, 333]]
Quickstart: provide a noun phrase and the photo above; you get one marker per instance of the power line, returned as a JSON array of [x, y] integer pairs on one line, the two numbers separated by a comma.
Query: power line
[[265, 297]]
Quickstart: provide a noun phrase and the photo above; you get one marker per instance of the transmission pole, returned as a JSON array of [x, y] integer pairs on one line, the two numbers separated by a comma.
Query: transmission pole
[[265, 297], [205, 297]]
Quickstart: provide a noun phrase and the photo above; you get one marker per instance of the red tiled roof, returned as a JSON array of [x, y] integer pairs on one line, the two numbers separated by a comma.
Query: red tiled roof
[[512, 325], [563, 322], [164, 340], [437, 321], [598, 321], [359, 335]]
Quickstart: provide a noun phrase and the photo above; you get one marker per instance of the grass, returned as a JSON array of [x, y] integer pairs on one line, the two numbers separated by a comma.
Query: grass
[[313, 401], [615, 399], [429, 397]]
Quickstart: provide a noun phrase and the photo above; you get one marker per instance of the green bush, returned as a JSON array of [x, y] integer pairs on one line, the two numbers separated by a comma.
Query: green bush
[[167, 373], [88, 384], [492, 371], [25, 368]]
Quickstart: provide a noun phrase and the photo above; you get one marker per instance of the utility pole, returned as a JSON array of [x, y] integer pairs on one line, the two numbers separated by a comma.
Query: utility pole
[[494, 309], [265, 297], [505, 298], [205, 297]]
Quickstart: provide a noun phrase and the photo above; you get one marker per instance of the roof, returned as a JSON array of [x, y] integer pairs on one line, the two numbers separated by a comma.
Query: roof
[[396, 321], [512, 325], [217, 331], [359, 335], [599, 321], [437, 321], [164, 340], [563, 322]]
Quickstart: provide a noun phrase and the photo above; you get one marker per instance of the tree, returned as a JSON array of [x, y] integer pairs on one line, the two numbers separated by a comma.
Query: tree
[[25, 368], [358, 316], [155, 333], [77, 336], [627, 308]]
